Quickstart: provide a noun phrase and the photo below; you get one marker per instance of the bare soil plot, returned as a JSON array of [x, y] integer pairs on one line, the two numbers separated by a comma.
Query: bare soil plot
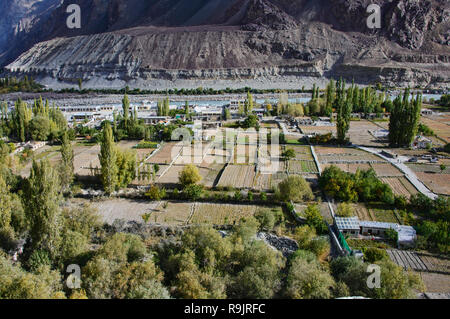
[[166, 154], [238, 176], [434, 282], [85, 158], [437, 183], [263, 182], [400, 186], [363, 213], [440, 126], [209, 175], [359, 133], [428, 168], [128, 210], [173, 213], [171, 176], [245, 154], [221, 214], [386, 170]]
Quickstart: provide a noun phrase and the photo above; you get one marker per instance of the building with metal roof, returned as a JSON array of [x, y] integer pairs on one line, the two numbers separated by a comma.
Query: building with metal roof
[[348, 225]]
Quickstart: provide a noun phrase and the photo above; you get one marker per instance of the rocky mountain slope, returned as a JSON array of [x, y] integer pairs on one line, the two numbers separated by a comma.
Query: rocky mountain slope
[[223, 42]]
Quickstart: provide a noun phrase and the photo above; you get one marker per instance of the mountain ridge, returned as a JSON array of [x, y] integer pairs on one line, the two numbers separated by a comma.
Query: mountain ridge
[[246, 35]]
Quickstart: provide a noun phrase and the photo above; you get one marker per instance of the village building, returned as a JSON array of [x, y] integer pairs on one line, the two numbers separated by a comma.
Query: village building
[[421, 142]]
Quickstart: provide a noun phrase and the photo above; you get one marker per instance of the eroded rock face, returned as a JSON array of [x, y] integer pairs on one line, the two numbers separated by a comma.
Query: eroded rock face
[[136, 41], [410, 20]]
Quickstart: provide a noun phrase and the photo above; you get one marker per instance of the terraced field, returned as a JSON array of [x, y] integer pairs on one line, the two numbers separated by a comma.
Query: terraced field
[[386, 170], [263, 182], [400, 186], [363, 213], [298, 167], [349, 168], [301, 152], [166, 154], [345, 155], [238, 176], [437, 183]]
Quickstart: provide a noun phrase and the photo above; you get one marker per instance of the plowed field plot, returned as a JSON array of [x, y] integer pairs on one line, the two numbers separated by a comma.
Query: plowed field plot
[[245, 154], [345, 155], [166, 154], [363, 213], [440, 126], [359, 133], [238, 176], [221, 214], [400, 186], [263, 182], [209, 175], [298, 167], [386, 170], [435, 263], [407, 259], [437, 183]]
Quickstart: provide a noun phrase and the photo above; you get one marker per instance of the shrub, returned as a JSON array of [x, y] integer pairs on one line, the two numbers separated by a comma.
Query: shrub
[[391, 235], [193, 192], [373, 254], [294, 188], [345, 210], [189, 175], [155, 193]]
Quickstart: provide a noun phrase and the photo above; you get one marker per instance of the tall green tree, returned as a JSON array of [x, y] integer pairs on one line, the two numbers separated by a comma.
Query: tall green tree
[[343, 106], [404, 120], [126, 110], [66, 169], [108, 161], [41, 202], [330, 96]]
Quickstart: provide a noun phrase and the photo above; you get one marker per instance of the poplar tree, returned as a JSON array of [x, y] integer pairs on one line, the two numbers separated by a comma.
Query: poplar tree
[[186, 109], [330, 96], [66, 169], [249, 104], [41, 202], [344, 109], [166, 109], [108, 161], [126, 107], [404, 120]]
